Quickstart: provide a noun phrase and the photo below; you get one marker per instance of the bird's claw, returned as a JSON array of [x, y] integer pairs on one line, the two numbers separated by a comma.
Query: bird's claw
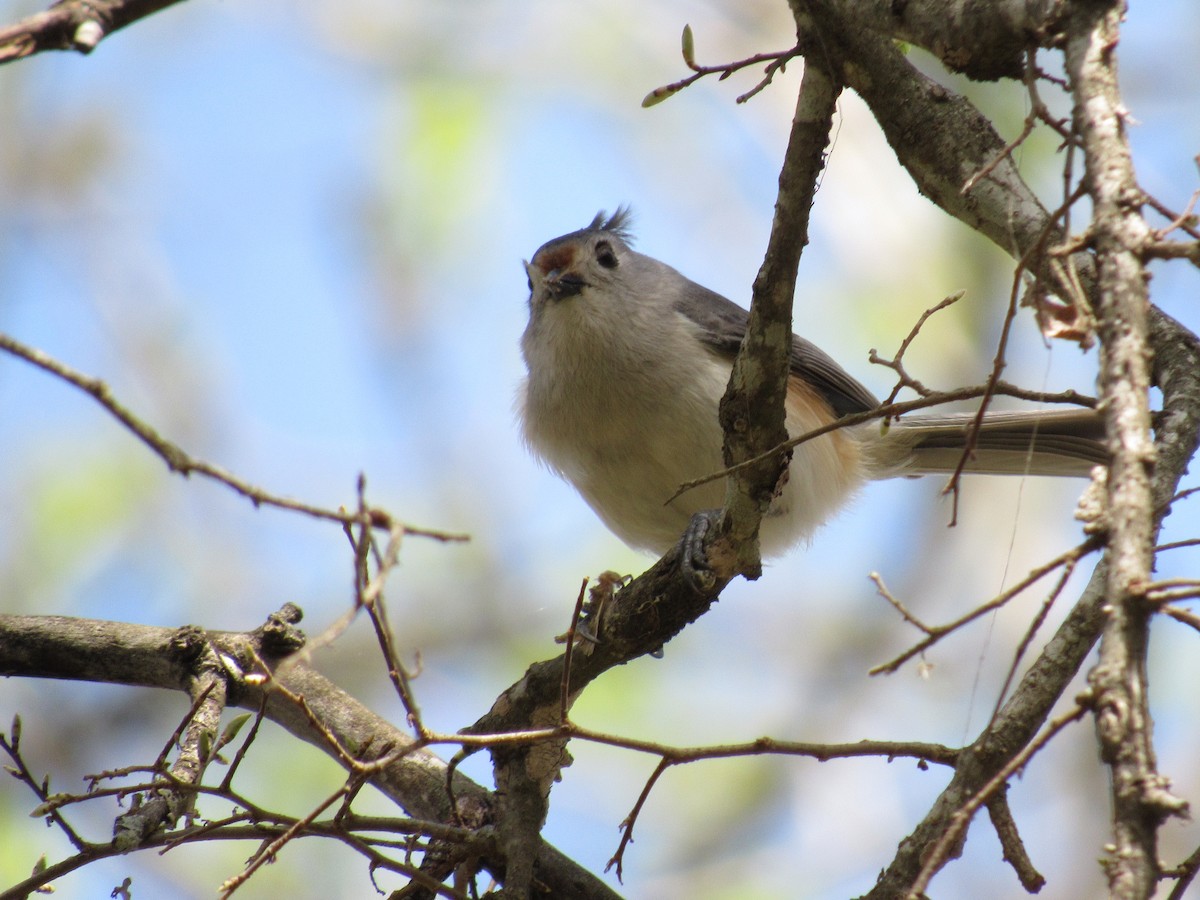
[[693, 557]]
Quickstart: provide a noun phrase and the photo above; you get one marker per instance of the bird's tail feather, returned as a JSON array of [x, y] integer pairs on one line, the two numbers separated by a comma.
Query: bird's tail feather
[[1043, 442]]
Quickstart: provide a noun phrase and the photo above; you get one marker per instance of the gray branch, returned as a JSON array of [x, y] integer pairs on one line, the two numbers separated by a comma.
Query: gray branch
[[985, 41], [1141, 800], [942, 140], [144, 656]]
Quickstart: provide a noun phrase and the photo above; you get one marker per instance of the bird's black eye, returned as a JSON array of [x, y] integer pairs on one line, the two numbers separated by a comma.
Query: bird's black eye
[[605, 255]]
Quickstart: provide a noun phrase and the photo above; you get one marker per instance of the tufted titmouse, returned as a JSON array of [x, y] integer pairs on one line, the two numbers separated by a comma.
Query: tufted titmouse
[[628, 360]]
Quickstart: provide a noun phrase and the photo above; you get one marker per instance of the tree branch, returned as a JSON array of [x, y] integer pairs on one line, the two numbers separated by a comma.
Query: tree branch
[[73, 25], [1141, 800], [139, 655], [941, 139], [752, 410], [179, 460], [984, 41]]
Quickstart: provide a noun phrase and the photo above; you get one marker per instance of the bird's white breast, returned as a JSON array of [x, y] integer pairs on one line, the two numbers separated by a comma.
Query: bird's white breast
[[628, 418]]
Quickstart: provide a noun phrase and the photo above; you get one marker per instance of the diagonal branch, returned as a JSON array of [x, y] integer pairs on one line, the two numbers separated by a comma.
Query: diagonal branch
[[752, 410], [73, 25], [139, 655], [179, 460], [985, 41], [655, 606]]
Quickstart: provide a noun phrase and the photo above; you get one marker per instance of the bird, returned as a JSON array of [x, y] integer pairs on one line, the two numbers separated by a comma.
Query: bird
[[627, 360]]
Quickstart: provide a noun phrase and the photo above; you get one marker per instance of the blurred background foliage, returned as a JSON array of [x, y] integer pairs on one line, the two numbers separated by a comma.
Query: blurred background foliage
[[290, 235]]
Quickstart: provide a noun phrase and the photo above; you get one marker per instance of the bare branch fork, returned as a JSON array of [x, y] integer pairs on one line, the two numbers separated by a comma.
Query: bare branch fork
[[263, 672], [260, 677], [776, 62]]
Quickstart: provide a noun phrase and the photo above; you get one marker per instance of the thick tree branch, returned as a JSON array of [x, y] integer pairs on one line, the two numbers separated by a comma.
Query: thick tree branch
[[911, 108], [985, 41], [1141, 800], [138, 655], [638, 620], [196, 738], [941, 139]]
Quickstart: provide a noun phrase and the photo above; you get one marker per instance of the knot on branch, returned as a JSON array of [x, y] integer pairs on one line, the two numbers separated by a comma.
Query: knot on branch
[[188, 644], [278, 636]]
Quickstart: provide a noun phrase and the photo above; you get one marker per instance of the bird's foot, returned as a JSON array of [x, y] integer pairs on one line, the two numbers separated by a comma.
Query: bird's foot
[[693, 556]]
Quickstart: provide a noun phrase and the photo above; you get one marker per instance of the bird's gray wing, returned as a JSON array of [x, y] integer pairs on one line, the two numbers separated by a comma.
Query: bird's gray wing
[[723, 325]]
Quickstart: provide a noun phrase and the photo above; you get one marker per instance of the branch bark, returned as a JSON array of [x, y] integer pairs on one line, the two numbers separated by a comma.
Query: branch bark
[[985, 41], [752, 410], [138, 655], [942, 140], [77, 25], [1141, 800]]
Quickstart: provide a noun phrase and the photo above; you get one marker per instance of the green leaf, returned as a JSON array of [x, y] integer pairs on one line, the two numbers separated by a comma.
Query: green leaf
[[689, 47], [232, 729]]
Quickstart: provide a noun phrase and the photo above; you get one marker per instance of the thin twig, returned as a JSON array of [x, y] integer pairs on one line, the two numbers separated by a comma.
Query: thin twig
[[245, 746], [180, 461], [1033, 629], [776, 62], [627, 824], [999, 361], [12, 746], [1186, 873], [1038, 112], [1177, 545], [937, 632], [937, 855], [564, 703], [72, 25], [896, 363], [1015, 853], [882, 590], [370, 597], [268, 853], [1186, 616], [1186, 220]]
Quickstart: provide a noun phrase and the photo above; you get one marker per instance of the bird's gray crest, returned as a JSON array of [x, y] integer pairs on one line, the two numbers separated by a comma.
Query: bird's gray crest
[[619, 223]]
